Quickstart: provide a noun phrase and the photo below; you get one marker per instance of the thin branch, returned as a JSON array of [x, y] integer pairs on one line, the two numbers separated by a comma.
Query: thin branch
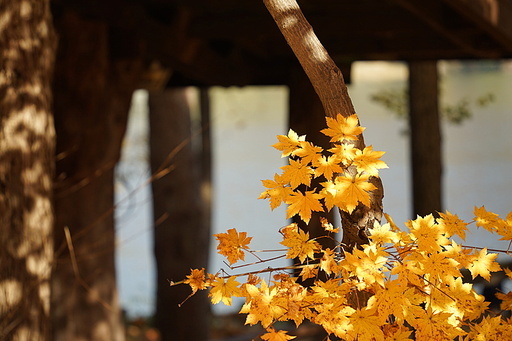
[[76, 271]]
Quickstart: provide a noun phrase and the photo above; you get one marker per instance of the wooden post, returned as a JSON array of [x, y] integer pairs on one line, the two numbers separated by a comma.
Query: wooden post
[[425, 137], [180, 238]]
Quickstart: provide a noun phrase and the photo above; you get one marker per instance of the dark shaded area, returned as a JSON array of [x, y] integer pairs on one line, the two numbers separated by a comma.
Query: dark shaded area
[[233, 42], [92, 95]]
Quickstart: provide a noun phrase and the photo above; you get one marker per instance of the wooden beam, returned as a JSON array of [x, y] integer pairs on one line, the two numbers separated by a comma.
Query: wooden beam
[[492, 16], [432, 13]]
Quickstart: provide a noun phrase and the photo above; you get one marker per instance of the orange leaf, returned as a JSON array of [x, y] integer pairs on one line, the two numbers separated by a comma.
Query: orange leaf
[[278, 190], [342, 128], [288, 144], [277, 335], [303, 205], [297, 173], [298, 243], [232, 244], [348, 191], [368, 161]]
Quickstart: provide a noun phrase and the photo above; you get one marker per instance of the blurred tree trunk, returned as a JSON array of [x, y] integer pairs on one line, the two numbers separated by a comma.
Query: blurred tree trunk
[[92, 99], [307, 117], [27, 140], [425, 135], [180, 237]]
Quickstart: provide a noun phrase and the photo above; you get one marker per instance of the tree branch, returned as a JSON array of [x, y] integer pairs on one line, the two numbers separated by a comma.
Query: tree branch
[[329, 84]]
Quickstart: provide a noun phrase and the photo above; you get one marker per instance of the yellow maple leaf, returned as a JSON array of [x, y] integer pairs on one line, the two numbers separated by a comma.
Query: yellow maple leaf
[[232, 244], [327, 166], [345, 152], [508, 272], [396, 332], [365, 326], [223, 290], [485, 219], [432, 325], [486, 329], [288, 143], [366, 264], [303, 205], [278, 190], [297, 173], [506, 300], [196, 280], [390, 299], [367, 160], [343, 128], [452, 225], [434, 266], [277, 335], [483, 264], [308, 152], [331, 196], [383, 234], [299, 244], [462, 255], [428, 235], [328, 262], [260, 305], [348, 191], [309, 271]]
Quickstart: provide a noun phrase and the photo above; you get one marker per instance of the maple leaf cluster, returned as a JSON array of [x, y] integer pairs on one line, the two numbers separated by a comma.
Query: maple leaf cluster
[[403, 285], [345, 169]]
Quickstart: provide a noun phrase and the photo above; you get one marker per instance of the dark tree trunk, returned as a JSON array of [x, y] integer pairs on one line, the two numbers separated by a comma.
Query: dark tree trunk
[[328, 83], [425, 135], [92, 99], [27, 140], [307, 117], [180, 238]]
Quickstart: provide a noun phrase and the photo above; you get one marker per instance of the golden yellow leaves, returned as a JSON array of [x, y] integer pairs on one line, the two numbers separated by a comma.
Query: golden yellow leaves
[[347, 192], [341, 128], [303, 204], [223, 290], [298, 243], [196, 280], [412, 280], [483, 264], [493, 223], [399, 285], [280, 335], [346, 171], [232, 244]]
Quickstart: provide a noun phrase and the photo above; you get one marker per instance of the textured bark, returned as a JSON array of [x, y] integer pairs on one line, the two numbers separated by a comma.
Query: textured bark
[[92, 99], [27, 140], [180, 238], [425, 135], [328, 83]]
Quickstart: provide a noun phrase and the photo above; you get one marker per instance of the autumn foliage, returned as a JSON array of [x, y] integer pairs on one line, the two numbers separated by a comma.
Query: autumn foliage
[[412, 278]]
